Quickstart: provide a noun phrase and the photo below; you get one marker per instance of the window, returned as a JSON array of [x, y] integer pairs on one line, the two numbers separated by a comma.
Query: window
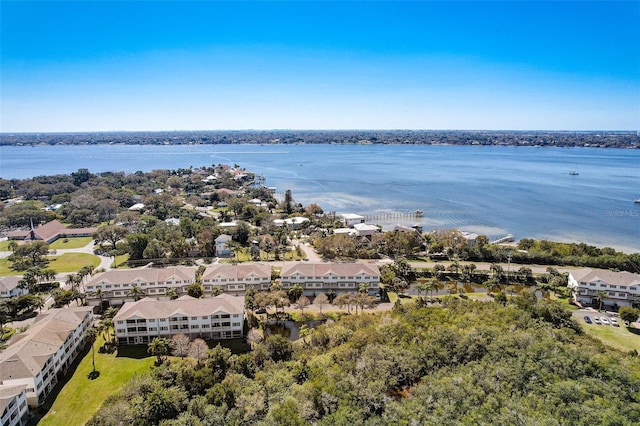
[[236, 324], [225, 316], [194, 318], [195, 326], [226, 324]]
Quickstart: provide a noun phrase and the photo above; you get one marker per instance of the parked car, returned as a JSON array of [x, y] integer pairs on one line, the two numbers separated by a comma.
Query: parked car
[[614, 322], [587, 320], [604, 320], [596, 320]]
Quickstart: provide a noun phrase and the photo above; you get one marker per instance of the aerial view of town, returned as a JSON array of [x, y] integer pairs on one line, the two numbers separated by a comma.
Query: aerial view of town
[[405, 213]]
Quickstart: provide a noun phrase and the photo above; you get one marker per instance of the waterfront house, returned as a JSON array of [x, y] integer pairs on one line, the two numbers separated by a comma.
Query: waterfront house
[[220, 317], [40, 356], [619, 288], [366, 230], [350, 219], [316, 278]]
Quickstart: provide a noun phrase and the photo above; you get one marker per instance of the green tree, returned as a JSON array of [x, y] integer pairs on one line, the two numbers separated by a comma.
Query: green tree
[[136, 292], [295, 292], [92, 334], [250, 298], [29, 255], [195, 290], [629, 314], [600, 296], [160, 347], [172, 293]]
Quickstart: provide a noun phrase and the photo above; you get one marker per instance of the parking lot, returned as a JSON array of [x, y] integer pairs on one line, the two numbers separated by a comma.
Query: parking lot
[[595, 317]]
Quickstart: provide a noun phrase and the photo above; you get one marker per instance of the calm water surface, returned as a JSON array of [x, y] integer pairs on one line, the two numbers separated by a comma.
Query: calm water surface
[[490, 190]]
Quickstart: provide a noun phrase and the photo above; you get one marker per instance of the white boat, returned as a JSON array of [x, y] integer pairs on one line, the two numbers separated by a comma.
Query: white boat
[[637, 201], [573, 173]]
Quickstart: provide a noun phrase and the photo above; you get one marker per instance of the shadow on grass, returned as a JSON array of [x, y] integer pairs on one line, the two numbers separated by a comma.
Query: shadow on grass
[[133, 351], [41, 411], [633, 330], [93, 375]]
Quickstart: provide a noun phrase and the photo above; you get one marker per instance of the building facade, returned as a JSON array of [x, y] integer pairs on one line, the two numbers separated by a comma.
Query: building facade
[[115, 287], [316, 278], [617, 289], [14, 410], [38, 357], [220, 317], [9, 287], [236, 279]]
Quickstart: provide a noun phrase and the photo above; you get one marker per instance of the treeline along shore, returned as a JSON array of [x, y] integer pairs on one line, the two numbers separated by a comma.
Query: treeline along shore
[[601, 139]]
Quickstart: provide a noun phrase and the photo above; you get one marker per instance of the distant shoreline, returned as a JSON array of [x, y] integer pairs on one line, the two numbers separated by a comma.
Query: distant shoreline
[[597, 139]]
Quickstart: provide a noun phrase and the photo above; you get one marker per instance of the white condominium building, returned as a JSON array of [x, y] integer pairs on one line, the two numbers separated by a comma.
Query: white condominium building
[[316, 278], [220, 317], [236, 279], [618, 288], [115, 286], [37, 357]]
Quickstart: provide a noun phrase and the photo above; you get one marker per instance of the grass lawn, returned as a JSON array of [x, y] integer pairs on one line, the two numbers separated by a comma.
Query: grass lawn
[[72, 262], [68, 262], [121, 262], [616, 337], [5, 268], [81, 397], [4, 245], [70, 243]]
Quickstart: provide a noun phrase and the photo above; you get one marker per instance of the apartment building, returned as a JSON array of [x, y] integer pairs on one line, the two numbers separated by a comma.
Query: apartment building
[[14, 410], [220, 317], [39, 356], [316, 278], [236, 279], [618, 288], [114, 287]]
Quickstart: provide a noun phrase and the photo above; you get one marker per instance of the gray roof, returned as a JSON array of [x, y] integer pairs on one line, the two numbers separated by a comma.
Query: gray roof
[[624, 279], [9, 283], [185, 306]]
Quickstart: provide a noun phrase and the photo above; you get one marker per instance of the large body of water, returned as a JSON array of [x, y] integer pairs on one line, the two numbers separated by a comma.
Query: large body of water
[[489, 190]]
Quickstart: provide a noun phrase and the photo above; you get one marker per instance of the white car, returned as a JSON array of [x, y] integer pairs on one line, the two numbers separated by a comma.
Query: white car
[[596, 320], [614, 322], [604, 320]]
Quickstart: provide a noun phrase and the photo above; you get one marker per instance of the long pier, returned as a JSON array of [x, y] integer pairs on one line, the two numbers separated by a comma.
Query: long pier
[[390, 216], [506, 239]]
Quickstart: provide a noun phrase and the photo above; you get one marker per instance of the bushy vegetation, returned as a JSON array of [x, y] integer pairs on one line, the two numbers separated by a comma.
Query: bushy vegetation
[[525, 362]]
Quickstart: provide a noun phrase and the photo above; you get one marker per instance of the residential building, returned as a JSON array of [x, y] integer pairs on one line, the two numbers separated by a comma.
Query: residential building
[[9, 287], [350, 219], [618, 288], [366, 230], [114, 287], [220, 317], [14, 410], [49, 232], [222, 245], [316, 278], [38, 357], [236, 279]]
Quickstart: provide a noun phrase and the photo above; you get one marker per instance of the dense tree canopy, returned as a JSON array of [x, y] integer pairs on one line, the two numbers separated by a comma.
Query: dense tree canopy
[[460, 363]]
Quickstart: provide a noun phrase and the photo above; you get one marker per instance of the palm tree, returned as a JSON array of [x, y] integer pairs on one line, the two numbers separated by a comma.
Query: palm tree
[[100, 295], [92, 333], [72, 281], [172, 293], [160, 347], [295, 292], [38, 302], [136, 292], [600, 295], [433, 285]]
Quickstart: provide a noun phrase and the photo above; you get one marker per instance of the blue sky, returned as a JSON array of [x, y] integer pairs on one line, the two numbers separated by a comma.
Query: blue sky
[[160, 65]]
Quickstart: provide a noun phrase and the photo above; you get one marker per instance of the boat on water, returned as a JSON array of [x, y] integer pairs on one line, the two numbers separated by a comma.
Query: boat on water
[[573, 173], [418, 213], [637, 201]]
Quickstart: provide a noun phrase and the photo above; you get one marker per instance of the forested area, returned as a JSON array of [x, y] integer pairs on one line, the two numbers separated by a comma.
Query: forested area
[[522, 362]]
